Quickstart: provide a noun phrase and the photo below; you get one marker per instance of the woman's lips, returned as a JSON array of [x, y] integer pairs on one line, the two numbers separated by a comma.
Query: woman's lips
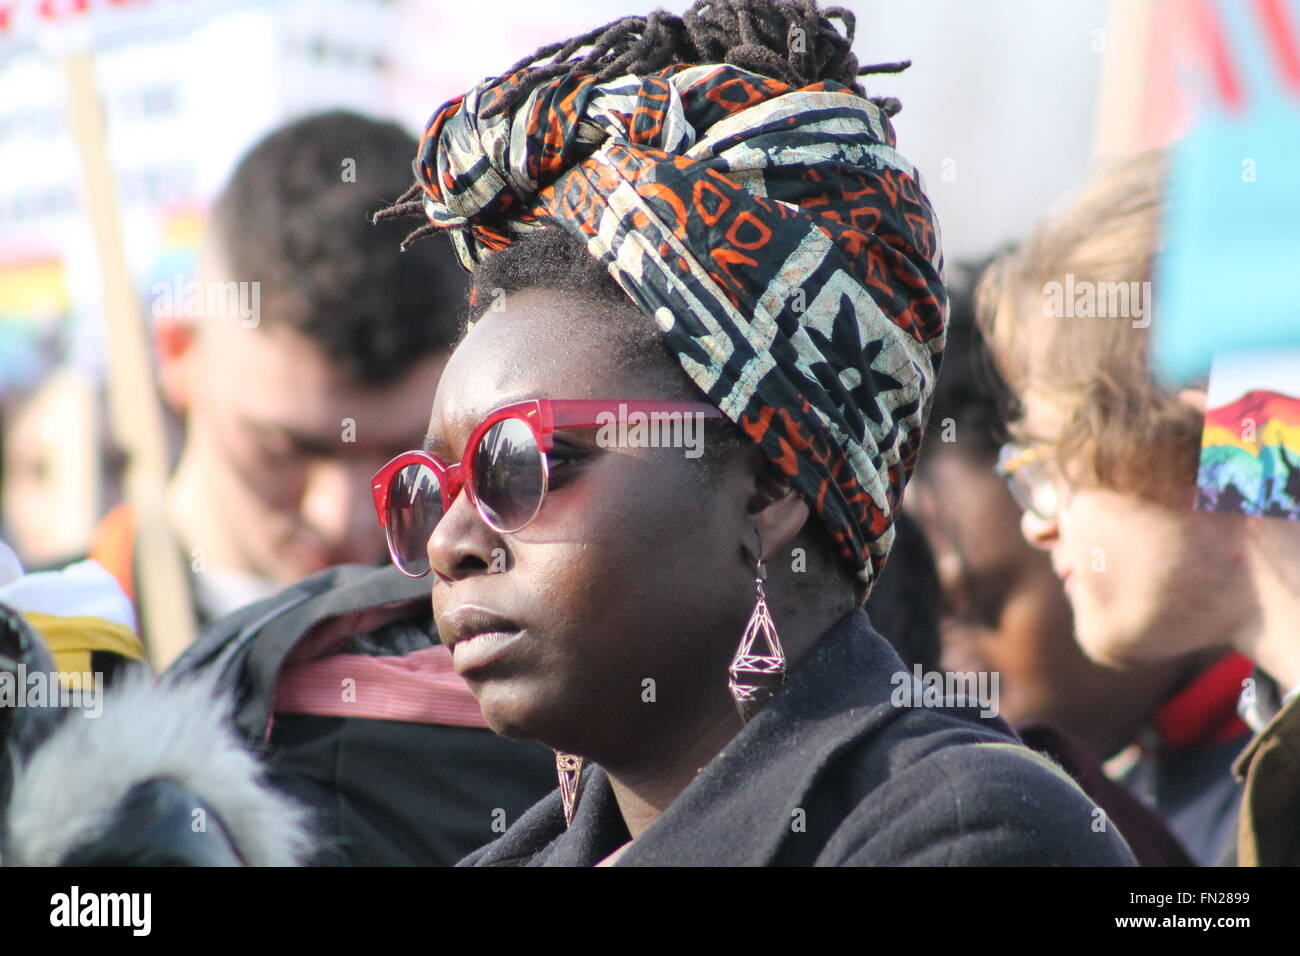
[[479, 650], [476, 636]]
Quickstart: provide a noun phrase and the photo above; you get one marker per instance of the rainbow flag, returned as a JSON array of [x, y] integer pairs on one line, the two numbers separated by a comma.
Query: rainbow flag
[[35, 305], [1250, 456]]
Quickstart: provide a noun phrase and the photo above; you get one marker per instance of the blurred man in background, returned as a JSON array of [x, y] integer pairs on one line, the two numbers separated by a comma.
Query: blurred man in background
[[301, 359], [1005, 611], [293, 399]]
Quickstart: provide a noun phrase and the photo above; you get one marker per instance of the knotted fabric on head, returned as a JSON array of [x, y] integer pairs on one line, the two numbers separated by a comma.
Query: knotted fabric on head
[[784, 248]]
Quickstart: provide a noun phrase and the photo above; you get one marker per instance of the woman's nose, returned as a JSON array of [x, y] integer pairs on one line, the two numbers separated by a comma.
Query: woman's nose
[[462, 545]]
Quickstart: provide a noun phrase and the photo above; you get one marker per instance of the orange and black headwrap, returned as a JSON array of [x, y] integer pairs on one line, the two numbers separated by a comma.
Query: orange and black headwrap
[[782, 245]]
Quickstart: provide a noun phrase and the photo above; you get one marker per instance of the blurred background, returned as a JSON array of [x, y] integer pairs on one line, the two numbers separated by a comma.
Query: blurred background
[[1008, 103]]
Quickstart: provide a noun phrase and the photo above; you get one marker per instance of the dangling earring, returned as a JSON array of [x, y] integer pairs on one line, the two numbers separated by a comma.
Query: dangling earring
[[569, 769], [758, 669]]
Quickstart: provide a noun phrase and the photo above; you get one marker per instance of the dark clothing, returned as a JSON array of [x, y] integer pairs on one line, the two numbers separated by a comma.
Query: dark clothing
[[830, 772], [1181, 761], [1147, 834], [394, 793], [1269, 831], [1195, 792], [382, 792]]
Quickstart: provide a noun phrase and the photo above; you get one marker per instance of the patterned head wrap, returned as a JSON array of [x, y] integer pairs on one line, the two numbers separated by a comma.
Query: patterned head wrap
[[784, 248]]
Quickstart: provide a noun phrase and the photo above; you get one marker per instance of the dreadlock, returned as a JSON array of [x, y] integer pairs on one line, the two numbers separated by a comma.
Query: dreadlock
[[789, 40]]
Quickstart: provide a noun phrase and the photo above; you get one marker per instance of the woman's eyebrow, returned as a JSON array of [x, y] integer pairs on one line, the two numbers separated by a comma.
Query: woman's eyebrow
[[431, 444]]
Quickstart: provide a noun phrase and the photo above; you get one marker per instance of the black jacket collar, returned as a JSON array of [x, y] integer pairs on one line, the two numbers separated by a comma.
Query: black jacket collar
[[738, 810]]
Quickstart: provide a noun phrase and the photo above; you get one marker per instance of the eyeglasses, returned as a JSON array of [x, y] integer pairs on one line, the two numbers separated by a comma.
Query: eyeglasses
[[505, 470], [1030, 477]]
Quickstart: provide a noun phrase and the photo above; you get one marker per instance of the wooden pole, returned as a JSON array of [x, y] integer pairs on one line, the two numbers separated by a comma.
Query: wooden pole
[[162, 581]]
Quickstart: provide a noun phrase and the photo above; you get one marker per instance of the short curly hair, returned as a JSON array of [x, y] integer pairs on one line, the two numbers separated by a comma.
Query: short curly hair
[[292, 219]]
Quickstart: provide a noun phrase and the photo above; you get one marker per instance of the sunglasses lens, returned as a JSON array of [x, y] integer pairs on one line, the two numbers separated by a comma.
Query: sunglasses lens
[[509, 475], [414, 508]]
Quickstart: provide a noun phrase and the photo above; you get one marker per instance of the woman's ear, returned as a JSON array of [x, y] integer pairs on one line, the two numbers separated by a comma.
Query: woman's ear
[[777, 511]]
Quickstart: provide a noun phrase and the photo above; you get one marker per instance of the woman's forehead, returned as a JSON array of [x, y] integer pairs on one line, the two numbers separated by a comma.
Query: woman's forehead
[[540, 345]]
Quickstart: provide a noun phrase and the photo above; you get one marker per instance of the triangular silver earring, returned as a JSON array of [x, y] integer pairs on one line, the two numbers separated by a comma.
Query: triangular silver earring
[[758, 669]]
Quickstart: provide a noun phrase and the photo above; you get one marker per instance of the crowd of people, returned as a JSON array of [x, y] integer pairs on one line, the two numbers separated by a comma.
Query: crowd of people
[[585, 652]]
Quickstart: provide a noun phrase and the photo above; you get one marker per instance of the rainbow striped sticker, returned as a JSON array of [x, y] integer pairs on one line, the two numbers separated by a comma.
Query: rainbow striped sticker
[[1250, 448]]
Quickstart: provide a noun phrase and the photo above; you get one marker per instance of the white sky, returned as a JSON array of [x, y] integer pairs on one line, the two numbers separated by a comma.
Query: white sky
[[1236, 373], [1001, 93]]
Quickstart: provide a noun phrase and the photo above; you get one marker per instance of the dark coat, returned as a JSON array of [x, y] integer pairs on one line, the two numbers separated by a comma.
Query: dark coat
[[381, 792], [831, 773], [1152, 841]]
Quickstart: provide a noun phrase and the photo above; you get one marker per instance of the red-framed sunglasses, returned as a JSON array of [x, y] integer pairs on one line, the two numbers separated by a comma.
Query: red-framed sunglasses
[[505, 471]]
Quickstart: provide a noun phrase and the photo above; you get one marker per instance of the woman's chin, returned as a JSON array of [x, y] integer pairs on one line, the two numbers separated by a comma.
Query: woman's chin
[[519, 717], [508, 713], [508, 727]]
